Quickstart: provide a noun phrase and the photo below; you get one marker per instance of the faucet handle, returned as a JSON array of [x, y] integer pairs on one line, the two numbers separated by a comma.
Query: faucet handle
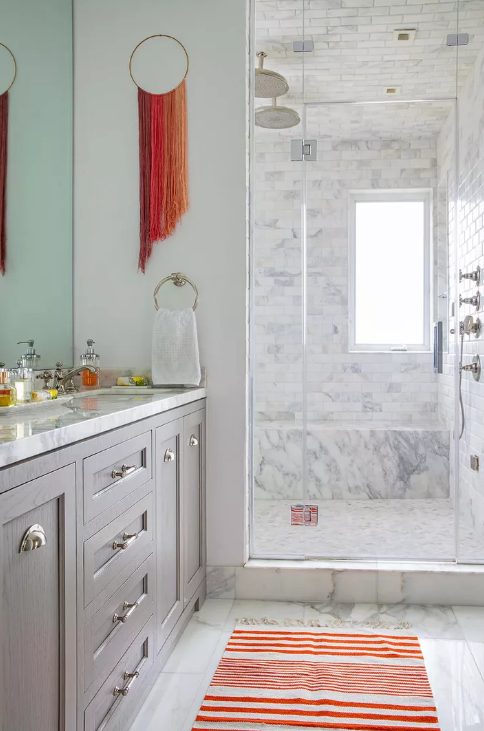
[[46, 376]]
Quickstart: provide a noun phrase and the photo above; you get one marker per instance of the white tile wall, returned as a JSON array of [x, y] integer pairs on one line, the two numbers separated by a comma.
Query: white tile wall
[[396, 388]]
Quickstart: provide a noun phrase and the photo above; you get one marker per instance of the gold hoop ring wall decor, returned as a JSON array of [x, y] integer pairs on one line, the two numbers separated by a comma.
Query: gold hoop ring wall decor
[[14, 68], [149, 38]]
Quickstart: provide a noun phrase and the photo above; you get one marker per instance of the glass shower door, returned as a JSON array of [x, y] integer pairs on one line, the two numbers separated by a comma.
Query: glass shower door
[[378, 458], [277, 332], [469, 222], [380, 98]]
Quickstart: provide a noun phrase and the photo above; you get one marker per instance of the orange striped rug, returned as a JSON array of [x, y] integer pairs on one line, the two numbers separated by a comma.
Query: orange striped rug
[[290, 679]]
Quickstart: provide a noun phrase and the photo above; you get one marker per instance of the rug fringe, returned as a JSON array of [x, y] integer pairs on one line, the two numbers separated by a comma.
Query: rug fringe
[[368, 624]]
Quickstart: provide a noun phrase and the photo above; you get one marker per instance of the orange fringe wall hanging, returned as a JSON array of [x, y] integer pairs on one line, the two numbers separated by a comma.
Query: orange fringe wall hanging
[[162, 164]]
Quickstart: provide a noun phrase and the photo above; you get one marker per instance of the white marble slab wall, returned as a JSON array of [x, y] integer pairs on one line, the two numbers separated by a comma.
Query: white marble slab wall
[[361, 464]]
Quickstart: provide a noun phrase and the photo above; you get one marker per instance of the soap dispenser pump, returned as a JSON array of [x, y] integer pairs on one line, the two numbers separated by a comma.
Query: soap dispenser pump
[[90, 358]]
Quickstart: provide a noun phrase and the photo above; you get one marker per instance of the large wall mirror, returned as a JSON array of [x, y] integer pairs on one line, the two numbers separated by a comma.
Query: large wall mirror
[[36, 287]]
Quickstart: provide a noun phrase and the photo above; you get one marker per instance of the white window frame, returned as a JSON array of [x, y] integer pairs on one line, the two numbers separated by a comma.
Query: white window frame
[[382, 195]]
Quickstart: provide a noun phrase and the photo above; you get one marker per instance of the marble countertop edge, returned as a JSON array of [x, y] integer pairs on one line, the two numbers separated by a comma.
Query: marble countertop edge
[[18, 448]]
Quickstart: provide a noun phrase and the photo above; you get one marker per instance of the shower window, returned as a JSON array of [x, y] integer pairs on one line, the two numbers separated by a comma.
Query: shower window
[[389, 270]]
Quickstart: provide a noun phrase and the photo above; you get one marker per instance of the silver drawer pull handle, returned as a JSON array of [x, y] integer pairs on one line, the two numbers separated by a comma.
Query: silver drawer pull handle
[[130, 606], [128, 539], [123, 471], [34, 537], [130, 677], [169, 456], [193, 441]]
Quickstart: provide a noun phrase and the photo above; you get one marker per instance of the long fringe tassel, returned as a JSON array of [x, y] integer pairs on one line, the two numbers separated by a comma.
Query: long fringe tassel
[[3, 179], [144, 116], [163, 166]]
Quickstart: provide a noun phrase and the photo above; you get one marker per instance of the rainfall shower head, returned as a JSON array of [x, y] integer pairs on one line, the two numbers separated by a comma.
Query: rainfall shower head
[[268, 84], [275, 117]]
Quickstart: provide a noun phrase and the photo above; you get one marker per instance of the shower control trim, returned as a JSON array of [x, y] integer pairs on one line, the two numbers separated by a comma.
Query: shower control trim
[[474, 368], [469, 326], [474, 300], [474, 276]]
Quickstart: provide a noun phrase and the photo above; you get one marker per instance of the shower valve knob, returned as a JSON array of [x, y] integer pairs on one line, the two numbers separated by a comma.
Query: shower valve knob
[[474, 368], [474, 276], [475, 300]]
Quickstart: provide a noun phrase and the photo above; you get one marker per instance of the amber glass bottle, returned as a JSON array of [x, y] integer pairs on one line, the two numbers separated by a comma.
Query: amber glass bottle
[[90, 358], [8, 394]]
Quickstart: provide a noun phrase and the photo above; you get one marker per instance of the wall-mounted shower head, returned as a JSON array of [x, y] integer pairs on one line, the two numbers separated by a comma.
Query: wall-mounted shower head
[[276, 117], [268, 84]]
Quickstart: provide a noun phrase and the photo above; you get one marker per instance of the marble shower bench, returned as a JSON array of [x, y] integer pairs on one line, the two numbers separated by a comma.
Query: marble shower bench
[[352, 461]]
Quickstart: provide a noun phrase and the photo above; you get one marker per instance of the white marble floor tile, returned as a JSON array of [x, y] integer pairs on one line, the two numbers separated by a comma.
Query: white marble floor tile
[[214, 612], [471, 620], [452, 640], [170, 702], [456, 683], [194, 650]]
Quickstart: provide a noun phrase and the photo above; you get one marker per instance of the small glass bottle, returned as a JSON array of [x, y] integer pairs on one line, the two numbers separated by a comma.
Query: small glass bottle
[[8, 394], [90, 358], [23, 380]]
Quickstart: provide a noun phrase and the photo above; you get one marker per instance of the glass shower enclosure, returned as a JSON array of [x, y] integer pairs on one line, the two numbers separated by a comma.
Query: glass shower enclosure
[[363, 212]]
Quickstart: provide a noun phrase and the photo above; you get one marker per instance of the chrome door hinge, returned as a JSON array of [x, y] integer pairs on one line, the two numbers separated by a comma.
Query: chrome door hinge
[[458, 39], [303, 46], [304, 150]]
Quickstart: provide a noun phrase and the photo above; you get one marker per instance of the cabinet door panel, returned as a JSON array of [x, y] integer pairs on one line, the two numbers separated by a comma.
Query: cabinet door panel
[[169, 442], [193, 502], [37, 610]]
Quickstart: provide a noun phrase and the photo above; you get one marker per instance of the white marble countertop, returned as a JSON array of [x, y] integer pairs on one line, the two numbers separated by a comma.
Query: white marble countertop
[[33, 429]]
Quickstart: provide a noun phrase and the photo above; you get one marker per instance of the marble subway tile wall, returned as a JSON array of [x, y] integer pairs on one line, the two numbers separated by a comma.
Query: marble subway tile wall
[[363, 387]]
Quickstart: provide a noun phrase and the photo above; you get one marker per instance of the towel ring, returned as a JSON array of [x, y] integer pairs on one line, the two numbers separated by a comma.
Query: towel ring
[[179, 280]]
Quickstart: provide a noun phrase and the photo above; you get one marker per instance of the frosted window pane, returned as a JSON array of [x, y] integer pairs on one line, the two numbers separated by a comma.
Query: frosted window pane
[[390, 272]]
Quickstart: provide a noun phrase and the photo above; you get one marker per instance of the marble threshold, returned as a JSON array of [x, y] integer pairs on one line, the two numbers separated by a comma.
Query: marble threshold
[[388, 582]]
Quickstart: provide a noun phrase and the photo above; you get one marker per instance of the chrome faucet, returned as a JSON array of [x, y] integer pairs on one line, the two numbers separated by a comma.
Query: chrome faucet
[[64, 382]]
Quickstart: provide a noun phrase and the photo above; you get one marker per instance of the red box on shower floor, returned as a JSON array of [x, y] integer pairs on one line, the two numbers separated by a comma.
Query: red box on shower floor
[[304, 515]]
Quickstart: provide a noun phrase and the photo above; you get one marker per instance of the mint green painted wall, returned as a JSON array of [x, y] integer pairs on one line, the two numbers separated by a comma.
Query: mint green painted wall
[[36, 292]]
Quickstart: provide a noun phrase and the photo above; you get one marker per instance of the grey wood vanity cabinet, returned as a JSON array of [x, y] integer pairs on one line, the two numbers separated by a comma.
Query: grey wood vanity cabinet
[[102, 562]]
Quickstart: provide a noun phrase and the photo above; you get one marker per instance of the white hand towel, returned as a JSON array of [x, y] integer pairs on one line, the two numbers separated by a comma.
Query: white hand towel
[[175, 356]]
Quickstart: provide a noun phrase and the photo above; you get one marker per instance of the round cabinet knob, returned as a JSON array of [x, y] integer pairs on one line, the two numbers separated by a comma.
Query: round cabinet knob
[[33, 538], [193, 441]]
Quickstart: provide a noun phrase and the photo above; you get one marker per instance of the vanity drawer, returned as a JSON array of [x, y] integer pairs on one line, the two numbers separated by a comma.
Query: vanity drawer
[[111, 629], [114, 473], [120, 694], [112, 554]]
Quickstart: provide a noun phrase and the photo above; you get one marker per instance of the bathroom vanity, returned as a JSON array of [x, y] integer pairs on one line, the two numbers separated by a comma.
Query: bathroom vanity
[[102, 552]]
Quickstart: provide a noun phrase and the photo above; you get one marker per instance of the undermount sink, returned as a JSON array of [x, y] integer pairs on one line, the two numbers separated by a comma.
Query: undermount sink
[[92, 401]]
